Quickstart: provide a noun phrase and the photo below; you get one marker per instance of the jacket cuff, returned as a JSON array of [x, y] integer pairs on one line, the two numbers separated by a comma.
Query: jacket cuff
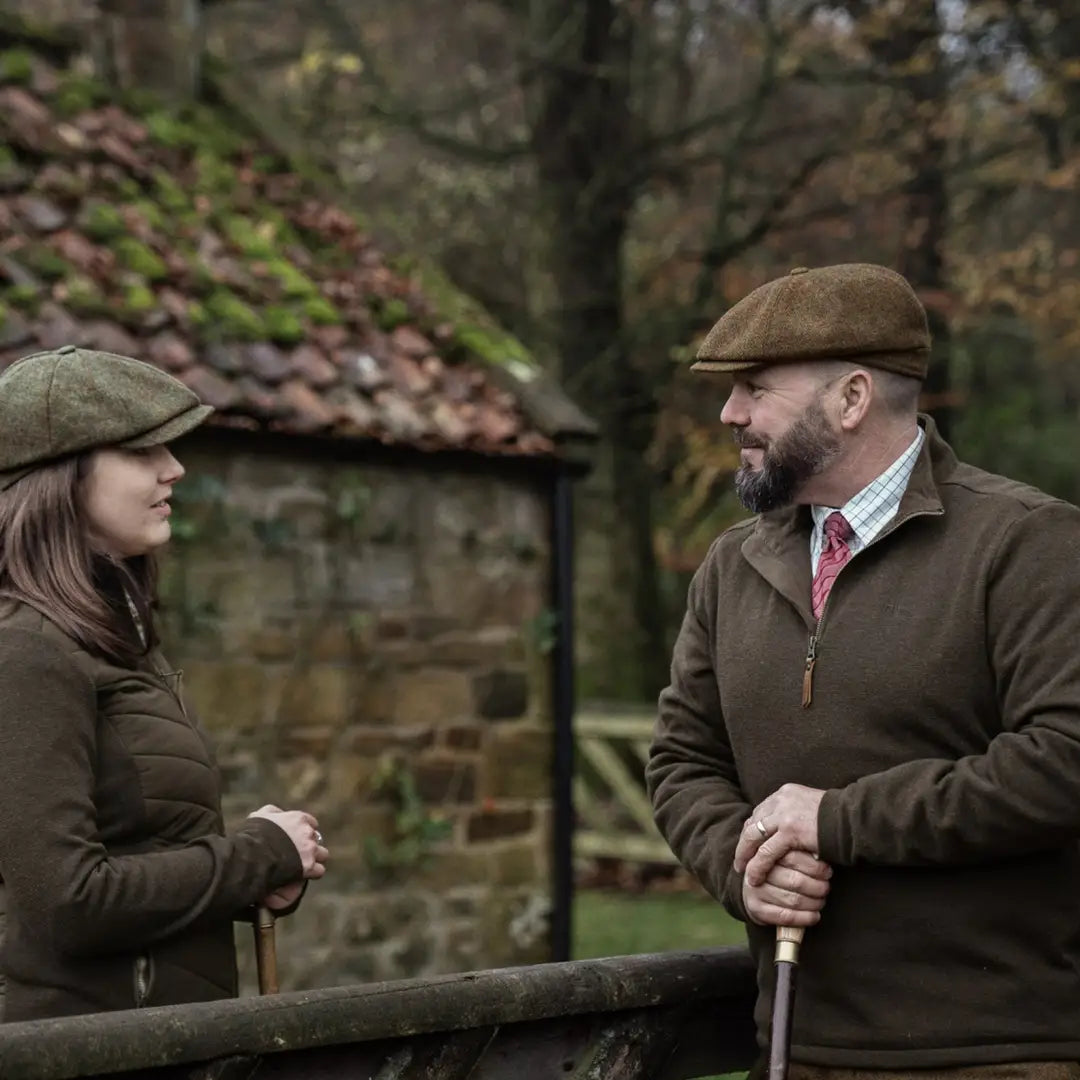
[[732, 897], [287, 866], [834, 840]]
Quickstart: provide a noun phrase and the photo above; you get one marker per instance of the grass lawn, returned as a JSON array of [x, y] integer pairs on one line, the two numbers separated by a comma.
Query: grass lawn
[[609, 923]]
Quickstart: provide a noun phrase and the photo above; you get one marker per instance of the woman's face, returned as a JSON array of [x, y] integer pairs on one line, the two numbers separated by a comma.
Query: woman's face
[[125, 495]]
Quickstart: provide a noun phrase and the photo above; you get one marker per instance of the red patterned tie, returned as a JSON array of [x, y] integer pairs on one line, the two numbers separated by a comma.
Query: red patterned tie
[[834, 553]]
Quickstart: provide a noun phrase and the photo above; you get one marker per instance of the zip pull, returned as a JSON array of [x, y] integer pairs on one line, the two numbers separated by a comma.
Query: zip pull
[[808, 672]]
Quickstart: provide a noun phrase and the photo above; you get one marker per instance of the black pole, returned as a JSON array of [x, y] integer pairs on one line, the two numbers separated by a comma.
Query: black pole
[[562, 574]]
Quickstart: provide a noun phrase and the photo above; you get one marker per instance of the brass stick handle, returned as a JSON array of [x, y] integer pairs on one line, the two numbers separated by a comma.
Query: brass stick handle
[[788, 940], [266, 951]]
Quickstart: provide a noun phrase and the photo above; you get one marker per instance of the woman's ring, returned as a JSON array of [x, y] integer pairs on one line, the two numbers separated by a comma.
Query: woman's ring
[[318, 837], [760, 826]]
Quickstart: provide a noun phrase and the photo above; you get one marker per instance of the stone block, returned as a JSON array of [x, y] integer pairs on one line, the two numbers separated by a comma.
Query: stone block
[[314, 696], [371, 742], [498, 824], [432, 696], [444, 870], [227, 695], [515, 865], [518, 762], [488, 646], [462, 737], [375, 577], [465, 902], [445, 779], [305, 741], [265, 642], [501, 694]]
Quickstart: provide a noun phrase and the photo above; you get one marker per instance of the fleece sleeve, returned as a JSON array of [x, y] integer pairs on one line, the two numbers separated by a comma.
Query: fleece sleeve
[[1023, 792], [697, 802], [57, 872]]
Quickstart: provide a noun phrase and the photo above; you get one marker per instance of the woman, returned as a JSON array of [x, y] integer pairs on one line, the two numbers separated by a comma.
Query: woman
[[120, 884]]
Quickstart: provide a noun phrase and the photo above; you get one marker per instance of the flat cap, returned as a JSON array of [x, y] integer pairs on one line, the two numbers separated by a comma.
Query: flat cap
[[852, 311], [68, 400]]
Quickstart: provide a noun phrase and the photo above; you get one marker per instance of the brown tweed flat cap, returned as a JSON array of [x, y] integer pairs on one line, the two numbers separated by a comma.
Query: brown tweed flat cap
[[62, 402], [853, 311]]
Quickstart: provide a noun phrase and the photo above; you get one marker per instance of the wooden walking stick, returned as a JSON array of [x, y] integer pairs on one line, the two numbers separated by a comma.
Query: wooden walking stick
[[265, 950], [788, 940]]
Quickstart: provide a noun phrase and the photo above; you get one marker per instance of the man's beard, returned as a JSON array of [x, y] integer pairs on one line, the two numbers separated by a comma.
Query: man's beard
[[788, 462]]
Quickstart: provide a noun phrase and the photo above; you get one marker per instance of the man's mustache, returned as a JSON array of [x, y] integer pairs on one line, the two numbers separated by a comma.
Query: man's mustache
[[745, 441]]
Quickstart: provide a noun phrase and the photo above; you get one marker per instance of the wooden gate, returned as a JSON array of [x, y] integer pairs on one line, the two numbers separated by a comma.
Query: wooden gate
[[613, 814]]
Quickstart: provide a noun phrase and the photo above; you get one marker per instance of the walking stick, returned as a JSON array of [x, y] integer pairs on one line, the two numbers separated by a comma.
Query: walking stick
[[265, 951], [788, 940]]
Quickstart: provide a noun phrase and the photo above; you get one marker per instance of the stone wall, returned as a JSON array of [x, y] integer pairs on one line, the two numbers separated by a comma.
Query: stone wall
[[371, 643]]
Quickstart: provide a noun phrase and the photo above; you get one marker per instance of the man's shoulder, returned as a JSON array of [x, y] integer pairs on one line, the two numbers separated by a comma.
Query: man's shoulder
[[979, 491]]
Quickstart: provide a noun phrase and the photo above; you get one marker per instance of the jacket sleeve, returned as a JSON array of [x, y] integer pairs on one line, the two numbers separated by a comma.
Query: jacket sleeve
[[1022, 793], [691, 776], [58, 873]]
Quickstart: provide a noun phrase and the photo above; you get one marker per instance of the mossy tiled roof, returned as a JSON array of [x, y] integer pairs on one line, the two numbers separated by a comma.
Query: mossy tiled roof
[[179, 239]]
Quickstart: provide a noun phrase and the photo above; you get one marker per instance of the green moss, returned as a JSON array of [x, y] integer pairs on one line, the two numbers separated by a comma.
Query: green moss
[[4, 310], [475, 331], [293, 282], [213, 176], [234, 319], [197, 314], [215, 133], [255, 241], [16, 66], [77, 93], [169, 193], [390, 314], [321, 312], [44, 262], [84, 296], [283, 325], [7, 156], [169, 129], [26, 298], [102, 222], [150, 213], [136, 256], [138, 300]]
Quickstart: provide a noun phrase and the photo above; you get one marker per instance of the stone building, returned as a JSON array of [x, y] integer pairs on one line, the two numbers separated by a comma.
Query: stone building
[[367, 579]]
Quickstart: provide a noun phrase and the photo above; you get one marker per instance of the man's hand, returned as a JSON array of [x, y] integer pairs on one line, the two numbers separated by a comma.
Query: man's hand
[[788, 823], [284, 897], [793, 893]]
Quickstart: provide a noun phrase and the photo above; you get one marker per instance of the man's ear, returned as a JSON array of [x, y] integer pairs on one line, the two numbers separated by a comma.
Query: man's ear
[[855, 398]]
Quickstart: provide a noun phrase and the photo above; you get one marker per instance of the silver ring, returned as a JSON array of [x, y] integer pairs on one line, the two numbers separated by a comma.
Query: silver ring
[[760, 826], [318, 838]]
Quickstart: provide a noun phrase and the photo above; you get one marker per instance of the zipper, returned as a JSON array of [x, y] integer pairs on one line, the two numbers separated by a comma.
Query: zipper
[[815, 635], [144, 978], [808, 671]]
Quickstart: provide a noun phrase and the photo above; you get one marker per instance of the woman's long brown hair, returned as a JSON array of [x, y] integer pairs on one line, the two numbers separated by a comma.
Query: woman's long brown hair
[[48, 562]]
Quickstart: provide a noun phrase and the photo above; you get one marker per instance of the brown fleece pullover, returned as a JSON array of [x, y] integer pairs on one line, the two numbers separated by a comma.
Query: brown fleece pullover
[[944, 724]]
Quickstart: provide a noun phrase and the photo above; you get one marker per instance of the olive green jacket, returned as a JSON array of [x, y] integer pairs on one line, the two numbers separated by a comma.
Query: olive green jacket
[[943, 723], [121, 886]]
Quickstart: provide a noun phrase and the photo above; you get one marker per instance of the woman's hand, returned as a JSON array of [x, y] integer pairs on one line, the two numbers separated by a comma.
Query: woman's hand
[[302, 829]]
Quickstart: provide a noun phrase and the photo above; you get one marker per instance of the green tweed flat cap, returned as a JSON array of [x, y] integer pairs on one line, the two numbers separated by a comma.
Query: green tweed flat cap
[[852, 311], [68, 400]]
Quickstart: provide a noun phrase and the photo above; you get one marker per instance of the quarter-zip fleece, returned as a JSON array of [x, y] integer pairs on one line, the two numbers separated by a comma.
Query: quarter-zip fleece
[[119, 881], [943, 722]]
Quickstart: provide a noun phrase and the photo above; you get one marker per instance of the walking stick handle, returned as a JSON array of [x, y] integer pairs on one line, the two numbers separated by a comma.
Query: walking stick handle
[[788, 940], [266, 950]]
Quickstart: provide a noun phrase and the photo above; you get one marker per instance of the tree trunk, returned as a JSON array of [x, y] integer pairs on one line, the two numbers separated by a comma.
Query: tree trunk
[[153, 45], [913, 50], [582, 138]]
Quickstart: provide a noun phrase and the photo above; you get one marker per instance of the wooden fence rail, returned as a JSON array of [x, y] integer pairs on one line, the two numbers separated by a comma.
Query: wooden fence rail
[[666, 1016], [614, 817]]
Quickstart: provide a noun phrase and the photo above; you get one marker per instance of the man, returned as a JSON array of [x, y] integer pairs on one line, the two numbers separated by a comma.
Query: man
[[873, 723]]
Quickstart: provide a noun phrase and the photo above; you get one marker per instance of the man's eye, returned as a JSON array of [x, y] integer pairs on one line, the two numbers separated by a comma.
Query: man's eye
[[755, 390]]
